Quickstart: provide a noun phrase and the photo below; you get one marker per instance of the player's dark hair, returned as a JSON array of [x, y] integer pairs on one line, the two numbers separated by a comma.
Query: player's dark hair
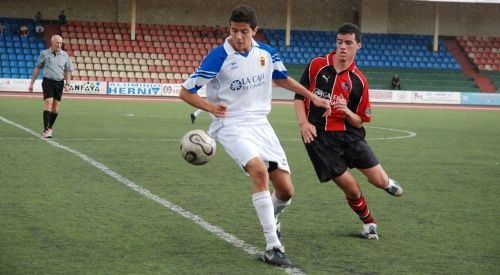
[[349, 28], [244, 14]]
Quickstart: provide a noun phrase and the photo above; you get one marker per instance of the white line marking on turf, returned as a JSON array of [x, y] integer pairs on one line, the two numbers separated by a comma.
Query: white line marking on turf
[[219, 232], [409, 134]]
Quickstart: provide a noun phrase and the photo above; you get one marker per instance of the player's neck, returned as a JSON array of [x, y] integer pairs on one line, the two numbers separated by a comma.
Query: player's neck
[[341, 64]]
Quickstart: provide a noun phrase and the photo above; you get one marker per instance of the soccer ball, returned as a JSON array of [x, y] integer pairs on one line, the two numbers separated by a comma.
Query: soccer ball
[[197, 147]]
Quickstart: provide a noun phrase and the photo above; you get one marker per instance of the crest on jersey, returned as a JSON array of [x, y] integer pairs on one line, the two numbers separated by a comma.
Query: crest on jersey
[[262, 61], [346, 86]]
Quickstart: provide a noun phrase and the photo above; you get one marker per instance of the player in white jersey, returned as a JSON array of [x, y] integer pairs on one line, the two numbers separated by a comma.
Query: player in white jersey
[[238, 76]]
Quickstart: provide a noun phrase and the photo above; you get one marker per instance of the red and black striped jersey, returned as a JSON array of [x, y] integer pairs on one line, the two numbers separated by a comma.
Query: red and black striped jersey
[[321, 78]]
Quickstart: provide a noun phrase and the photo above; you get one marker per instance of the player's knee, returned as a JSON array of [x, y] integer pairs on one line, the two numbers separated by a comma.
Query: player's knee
[[285, 194], [380, 180]]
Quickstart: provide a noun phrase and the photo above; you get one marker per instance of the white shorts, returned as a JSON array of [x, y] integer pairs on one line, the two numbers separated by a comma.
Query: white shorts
[[244, 143]]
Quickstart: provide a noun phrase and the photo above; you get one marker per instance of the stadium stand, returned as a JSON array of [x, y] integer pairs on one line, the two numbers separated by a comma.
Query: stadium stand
[[105, 51], [379, 50], [483, 51], [18, 54], [160, 53], [381, 57]]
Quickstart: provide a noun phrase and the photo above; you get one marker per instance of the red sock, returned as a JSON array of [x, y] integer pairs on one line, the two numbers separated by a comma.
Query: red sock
[[361, 208]]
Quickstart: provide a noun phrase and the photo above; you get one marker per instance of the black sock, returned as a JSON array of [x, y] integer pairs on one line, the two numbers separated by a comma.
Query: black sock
[[53, 117], [46, 120]]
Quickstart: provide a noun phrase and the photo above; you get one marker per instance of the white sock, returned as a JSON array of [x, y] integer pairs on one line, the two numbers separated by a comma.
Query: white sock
[[279, 205], [263, 204], [197, 112], [391, 183]]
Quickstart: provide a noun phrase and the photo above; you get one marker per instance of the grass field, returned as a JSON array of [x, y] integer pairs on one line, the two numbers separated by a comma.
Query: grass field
[[63, 214]]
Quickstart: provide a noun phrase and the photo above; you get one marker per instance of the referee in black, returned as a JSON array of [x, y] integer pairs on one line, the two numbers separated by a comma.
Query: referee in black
[[56, 67]]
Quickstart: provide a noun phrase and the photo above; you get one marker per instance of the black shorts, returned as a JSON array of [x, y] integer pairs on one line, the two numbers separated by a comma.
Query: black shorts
[[332, 156], [52, 88]]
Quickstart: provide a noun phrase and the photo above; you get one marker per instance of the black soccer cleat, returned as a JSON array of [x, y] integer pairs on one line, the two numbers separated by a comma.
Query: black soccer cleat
[[193, 118], [276, 257], [394, 188], [278, 230]]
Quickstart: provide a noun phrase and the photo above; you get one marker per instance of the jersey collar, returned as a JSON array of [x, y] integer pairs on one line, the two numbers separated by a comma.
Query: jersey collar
[[230, 50], [329, 60]]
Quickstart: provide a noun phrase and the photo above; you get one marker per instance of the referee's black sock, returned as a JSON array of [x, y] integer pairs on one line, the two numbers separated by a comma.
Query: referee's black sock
[[53, 117], [46, 120]]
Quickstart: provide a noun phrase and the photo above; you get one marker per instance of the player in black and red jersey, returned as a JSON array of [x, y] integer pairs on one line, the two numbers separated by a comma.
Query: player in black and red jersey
[[337, 142]]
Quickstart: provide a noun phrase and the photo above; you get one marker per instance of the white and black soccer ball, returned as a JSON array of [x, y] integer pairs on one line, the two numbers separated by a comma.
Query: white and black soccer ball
[[197, 147]]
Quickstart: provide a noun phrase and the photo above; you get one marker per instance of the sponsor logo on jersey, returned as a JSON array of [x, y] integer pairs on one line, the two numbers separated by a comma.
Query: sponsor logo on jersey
[[322, 94], [236, 85], [247, 83]]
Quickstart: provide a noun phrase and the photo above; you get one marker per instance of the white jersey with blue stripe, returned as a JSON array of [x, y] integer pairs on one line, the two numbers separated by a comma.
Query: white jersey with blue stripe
[[242, 81]]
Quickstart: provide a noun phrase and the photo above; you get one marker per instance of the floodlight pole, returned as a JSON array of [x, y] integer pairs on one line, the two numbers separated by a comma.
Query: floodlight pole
[[288, 22], [435, 43], [133, 18]]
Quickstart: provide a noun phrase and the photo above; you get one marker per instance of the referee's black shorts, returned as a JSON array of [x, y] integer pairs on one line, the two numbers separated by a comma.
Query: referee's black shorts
[[332, 156], [52, 88]]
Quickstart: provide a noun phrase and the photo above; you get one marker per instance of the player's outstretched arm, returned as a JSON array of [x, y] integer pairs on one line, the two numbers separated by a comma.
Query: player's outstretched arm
[[292, 85]]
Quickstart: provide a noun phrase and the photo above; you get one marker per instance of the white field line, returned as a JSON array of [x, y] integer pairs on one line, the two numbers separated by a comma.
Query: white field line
[[407, 134], [216, 230]]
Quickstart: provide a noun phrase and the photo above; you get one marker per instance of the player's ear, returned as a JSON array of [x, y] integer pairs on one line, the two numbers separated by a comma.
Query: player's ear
[[254, 31]]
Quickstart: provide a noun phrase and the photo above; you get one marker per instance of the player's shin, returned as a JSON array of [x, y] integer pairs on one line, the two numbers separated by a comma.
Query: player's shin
[[263, 205]]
